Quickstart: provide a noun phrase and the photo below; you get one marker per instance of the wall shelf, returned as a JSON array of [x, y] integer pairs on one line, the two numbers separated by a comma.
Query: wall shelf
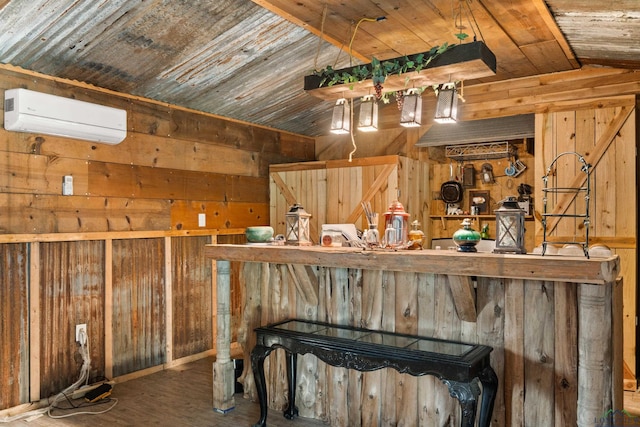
[[481, 151], [553, 214]]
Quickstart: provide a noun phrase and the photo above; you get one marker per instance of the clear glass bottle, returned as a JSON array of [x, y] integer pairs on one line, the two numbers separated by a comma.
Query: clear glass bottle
[[416, 236], [372, 236]]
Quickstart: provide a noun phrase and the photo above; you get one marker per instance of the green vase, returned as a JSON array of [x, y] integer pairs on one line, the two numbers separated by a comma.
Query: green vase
[[466, 238]]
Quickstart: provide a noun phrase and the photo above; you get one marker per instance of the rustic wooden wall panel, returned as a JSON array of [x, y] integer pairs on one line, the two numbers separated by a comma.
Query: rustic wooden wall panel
[[332, 191], [14, 315], [191, 292], [32, 213], [612, 223], [219, 215], [138, 305], [174, 164], [71, 292], [169, 154], [533, 326], [442, 226]]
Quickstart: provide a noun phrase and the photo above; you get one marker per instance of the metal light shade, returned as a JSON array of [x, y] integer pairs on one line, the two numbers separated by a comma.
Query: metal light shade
[[447, 106], [510, 228], [341, 118], [368, 118], [411, 115]]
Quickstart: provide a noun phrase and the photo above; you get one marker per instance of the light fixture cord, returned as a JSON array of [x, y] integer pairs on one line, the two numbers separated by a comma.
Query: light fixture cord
[[353, 140], [354, 36], [324, 16], [470, 17]]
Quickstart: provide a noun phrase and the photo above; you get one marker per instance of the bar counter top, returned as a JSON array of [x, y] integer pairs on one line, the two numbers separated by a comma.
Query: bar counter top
[[480, 264]]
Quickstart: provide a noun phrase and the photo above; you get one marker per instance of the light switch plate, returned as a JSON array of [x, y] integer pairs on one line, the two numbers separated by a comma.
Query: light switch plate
[[202, 220], [67, 185]]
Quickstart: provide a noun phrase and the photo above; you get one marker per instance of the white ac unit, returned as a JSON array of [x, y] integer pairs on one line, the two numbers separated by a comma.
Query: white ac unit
[[29, 111]]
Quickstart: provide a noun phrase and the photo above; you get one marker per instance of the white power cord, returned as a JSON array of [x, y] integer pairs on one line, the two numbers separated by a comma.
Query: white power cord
[[83, 378]]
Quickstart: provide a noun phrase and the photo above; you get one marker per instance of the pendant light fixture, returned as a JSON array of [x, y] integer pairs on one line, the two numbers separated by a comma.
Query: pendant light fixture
[[447, 105], [341, 118], [411, 114], [368, 118]]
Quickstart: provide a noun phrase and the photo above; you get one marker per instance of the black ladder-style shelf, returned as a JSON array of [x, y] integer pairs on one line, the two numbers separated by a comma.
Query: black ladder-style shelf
[[548, 192]]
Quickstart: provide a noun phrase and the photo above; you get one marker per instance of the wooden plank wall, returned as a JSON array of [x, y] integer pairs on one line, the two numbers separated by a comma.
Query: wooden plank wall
[[123, 254], [611, 149], [533, 326], [443, 226], [332, 191], [172, 165]]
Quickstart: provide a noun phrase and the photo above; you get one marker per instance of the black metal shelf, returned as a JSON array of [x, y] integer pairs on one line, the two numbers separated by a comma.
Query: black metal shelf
[[552, 171]]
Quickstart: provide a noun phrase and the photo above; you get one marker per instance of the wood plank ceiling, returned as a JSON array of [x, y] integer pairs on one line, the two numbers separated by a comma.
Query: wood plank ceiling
[[246, 59]]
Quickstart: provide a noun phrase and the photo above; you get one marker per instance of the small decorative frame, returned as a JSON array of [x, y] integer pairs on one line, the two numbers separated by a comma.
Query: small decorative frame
[[480, 199]]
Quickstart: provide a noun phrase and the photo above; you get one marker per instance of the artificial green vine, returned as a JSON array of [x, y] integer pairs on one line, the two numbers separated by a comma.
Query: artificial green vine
[[378, 70]]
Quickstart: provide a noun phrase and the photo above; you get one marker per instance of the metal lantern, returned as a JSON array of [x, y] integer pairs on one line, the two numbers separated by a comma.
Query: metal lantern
[[341, 117], [297, 226], [368, 119], [510, 227], [411, 114], [447, 105]]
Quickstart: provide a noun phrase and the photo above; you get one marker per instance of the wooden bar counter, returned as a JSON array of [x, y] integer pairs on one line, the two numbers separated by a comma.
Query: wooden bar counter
[[555, 324]]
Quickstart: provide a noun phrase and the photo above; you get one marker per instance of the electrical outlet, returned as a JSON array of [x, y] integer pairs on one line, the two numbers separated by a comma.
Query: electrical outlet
[[202, 220], [81, 333]]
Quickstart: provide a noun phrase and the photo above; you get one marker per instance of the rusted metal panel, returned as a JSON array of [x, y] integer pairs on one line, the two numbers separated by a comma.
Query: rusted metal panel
[[139, 338], [191, 292], [605, 32], [71, 292], [14, 331], [219, 57]]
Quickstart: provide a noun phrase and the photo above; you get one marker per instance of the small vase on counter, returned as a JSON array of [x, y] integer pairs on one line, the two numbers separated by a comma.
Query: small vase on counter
[[466, 238]]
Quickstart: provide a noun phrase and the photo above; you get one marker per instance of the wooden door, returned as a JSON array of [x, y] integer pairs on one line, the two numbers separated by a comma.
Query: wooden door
[[606, 137]]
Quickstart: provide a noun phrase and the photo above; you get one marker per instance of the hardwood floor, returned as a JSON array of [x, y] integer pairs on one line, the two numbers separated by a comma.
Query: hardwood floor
[[180, 396]]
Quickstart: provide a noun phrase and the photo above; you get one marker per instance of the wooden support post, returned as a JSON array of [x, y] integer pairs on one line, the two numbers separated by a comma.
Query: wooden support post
[[594, 366], [223, 373]]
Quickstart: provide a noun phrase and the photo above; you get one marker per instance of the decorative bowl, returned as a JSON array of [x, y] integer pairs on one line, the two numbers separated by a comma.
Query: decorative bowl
[[259, 234]]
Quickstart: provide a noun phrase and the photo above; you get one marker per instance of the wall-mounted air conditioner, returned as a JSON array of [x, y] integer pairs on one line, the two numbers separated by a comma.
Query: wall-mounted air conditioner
[[29, 111]]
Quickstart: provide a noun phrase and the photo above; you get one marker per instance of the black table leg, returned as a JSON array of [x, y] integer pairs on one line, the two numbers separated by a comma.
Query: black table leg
[[489, 382], [291, 411], [467, 395], [258, 354]]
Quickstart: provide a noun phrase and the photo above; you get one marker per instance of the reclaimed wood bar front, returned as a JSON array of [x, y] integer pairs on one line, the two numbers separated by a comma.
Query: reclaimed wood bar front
[[554, 323]]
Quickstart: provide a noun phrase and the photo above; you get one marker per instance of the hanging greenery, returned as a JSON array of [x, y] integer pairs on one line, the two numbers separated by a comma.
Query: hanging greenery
[[378, 70]]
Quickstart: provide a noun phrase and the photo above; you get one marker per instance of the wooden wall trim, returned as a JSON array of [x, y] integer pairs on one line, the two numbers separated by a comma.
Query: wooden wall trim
[[114, 235], [34, 322]]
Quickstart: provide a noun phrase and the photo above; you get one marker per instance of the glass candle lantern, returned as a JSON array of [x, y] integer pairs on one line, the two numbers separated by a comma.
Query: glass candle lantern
[[396, 225], [510, 227], [297, 222]]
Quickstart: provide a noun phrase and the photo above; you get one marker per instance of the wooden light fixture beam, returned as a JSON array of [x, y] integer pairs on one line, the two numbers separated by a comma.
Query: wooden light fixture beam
[[461, 62]]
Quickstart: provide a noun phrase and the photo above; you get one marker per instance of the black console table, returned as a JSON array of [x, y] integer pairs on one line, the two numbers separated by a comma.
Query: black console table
[[458, 365]]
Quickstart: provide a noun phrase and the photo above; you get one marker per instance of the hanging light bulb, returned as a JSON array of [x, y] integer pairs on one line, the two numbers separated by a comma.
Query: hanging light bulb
[[411, 115], [341, 118], [447, 105], [368, 118]]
